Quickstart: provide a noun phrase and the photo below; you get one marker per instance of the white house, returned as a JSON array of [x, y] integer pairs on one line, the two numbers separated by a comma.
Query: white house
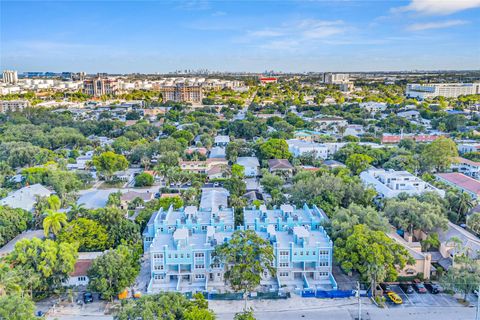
[[373, 107], [26, 197], [79, 275], [321, 150], [222, 141], [468, 147], [391, 183], [251, 165], [467, 167]]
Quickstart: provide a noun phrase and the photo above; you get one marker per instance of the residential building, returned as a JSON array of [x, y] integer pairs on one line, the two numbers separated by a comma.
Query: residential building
[[470, 244], [182, 92], [356, 130], [79, 275], [390, 183], [266, 80], [26, 197], [307, 135], [423, 260], [461, 182], [100, 86], [447, 90], [409, 115], [330, 123], [336, 78], [282, 166], [395, 138], [130, 195], [320, 150], [251, 165], [468, 147], [303, 250], [10, 76], [217, 153], [13, 105], [221, 141], [467, 167], [373, 107], [214, 199], [29, 234], [202, 166], [180, 243]]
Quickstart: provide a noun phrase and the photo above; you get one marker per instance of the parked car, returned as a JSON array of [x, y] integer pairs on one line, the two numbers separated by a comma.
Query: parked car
[[394, 297], [407, 288], [87, 297], [432, 287], [419, 286]]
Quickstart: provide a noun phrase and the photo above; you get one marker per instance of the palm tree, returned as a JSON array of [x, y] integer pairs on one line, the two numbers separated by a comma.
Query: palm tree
[[54, 221], [76, 210], [461, 204]]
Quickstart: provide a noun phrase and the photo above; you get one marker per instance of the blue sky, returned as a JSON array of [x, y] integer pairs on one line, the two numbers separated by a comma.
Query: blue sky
[[162, 36]]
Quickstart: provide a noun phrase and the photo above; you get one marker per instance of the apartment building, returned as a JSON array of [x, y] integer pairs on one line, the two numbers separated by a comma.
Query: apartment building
[[373, 107], [10, 76], [180, 243], [303, 250], [447, 90], [320, 150], [13, 105], [461, 182], [182, 92], [467, 167], [202, 166], [100, 86], [336, 78], [390, 183]]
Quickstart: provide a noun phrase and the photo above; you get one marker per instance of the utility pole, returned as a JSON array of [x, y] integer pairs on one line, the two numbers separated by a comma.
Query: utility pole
[[360, 302], [477, 317]]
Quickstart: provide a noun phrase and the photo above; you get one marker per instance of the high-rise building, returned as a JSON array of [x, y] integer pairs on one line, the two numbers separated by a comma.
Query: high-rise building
[[447, 90], [336, 78], [10, 76], [100, 86], [182, 92]]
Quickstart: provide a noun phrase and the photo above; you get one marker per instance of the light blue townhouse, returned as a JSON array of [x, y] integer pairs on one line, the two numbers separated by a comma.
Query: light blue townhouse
[[283, 218], [303, 250], [179, 244]]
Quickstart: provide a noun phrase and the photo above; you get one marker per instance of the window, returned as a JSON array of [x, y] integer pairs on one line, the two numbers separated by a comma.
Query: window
[[188, 255], [283, 274], [323, 263], [199, 266], [323, 274], [158, 276], [82, 278], [313, 253], [284, 253], [169, 256], [199, 276], [148, 239], [176, 256], [216, 265], [181, 256], [157, 256], [307, 253], [158, 267], [283, 264], [204, 228], [199, 254]]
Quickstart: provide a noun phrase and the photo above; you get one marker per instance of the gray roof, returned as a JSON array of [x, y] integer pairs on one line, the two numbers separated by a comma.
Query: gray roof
[[26, 197], [214, 198], [30, 234], [248, 161], [217, 152], [469, 240]]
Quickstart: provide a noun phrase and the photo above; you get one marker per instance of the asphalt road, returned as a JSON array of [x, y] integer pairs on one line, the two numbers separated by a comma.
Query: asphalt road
[[413, 313]]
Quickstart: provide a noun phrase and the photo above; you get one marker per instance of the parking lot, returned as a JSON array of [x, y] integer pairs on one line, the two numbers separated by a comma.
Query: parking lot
[[416, 299]]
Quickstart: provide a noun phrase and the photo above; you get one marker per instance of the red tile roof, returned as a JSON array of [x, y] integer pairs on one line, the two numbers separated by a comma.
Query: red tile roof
[[81, 267], [462, 181]]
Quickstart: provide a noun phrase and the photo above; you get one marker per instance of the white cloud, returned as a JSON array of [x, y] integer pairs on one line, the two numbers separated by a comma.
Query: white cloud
[[438, 7], [436, 25], [295, 34]]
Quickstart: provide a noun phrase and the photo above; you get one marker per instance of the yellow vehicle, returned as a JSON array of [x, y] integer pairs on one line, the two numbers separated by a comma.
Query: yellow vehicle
[[394, 297]]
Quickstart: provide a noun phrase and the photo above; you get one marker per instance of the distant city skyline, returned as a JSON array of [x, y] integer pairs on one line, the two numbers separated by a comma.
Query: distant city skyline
[[289, 36]]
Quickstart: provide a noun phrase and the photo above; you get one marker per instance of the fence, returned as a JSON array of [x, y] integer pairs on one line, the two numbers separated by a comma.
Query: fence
[[328, 294]]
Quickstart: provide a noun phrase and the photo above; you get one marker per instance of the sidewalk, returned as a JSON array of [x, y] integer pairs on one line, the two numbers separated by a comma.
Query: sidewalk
[[294, 303]]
